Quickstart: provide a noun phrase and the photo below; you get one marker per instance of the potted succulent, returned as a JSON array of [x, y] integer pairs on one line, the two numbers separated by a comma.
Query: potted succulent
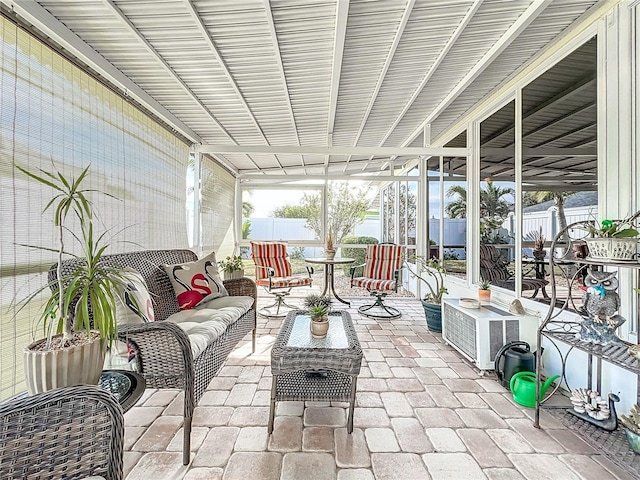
[[613, 239], [79, 316], [631, 423], [484, 292], [232, 267], [431, 272], [319, 307]]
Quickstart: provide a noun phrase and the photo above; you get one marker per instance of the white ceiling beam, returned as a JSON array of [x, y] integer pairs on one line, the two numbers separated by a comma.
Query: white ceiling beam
[[445, 51], [540, 151], [54, 29], [132, 28], [212, 47], [528, 16], [385, 68], [283, 77], [342, 14], [286, 149]]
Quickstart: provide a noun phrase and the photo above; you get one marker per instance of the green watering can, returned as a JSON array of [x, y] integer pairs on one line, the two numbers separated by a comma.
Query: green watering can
[[523, 387]]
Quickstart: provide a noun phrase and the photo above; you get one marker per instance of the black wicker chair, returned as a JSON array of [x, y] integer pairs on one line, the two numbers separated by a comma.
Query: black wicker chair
[[71, 433]]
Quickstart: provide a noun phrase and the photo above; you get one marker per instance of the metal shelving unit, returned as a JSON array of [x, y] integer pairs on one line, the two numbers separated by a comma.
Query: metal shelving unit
[[557, 329]]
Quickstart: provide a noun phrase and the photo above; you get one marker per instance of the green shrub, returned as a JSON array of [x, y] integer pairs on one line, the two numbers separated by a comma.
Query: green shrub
[[356, 252]]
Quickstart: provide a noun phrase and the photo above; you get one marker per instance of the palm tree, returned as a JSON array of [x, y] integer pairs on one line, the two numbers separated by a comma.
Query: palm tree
[[558, 199], [457, 208]]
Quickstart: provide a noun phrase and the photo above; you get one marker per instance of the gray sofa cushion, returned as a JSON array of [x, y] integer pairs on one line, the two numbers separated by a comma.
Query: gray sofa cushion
[[205, 323]]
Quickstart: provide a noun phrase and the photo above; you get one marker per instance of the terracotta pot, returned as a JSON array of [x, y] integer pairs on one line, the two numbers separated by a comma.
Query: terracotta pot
[[320, 327], [76, 365], [484, 296]]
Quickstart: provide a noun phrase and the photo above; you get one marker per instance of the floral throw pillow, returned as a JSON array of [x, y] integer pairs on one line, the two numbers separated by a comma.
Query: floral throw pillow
[[134, 304], [196, 282]]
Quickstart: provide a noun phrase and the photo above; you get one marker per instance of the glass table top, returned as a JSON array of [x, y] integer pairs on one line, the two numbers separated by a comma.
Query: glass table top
[[301, 334]]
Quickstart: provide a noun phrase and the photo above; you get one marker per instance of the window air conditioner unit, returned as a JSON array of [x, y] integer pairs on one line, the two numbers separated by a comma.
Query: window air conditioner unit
[[479, 333]]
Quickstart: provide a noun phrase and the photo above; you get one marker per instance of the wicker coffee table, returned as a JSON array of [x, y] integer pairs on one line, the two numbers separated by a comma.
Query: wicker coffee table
[[310, 369]]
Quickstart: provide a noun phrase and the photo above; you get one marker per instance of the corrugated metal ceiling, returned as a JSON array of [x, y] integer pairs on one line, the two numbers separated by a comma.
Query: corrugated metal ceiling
[[316, 73]]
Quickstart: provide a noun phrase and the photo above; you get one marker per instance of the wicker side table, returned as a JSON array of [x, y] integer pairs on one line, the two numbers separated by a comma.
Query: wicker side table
[[309, 369]]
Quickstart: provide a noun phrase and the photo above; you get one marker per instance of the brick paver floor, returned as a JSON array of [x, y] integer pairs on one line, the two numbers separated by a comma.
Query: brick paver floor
[[422, 412]]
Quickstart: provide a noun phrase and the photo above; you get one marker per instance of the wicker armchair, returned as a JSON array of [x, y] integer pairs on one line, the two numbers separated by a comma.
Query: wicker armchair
[[163, 350], [71, 433]]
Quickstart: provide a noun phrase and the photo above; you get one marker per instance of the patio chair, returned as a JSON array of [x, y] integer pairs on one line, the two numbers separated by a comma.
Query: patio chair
[[493, 269], [380, 275], [70, 432], [274, 273]]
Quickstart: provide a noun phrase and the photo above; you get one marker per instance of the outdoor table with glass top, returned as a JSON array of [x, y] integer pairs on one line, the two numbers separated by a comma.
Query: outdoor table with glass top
[[329, 267], [126, 386], [305, 368]]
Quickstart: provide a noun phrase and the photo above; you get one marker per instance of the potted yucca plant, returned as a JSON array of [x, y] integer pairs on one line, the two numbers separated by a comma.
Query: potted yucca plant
[[79, 315]]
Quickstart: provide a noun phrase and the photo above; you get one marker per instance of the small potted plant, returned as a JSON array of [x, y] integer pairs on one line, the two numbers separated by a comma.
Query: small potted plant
[[232, 267], [431, 272], [484, 292], [631, 423], [319, 307], [319, 320], [79, 316], [613, 239]]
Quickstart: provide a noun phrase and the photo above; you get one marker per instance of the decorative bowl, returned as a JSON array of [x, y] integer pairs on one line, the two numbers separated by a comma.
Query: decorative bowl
[[469, 303]]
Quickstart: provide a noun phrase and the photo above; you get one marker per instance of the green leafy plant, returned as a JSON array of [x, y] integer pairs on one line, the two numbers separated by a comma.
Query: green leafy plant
[[313, 300], [624, 228], [431, 272], [318, 311], [85, 298], [231, 264], [632, 421], [485, 285]]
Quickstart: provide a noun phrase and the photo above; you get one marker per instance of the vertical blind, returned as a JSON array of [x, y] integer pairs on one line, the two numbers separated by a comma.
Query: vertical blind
[[217, 202], [54, 116]]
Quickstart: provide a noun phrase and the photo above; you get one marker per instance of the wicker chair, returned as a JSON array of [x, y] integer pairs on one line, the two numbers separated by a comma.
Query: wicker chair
[[493, 269], [274, 273], [380, 274], [163, 350], [71, 433]]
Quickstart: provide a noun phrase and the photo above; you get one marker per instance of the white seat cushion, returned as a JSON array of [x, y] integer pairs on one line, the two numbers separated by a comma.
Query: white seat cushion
[[205, 323]]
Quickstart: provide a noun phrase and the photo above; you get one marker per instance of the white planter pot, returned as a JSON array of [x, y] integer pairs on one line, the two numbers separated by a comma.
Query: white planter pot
[[613, 249], [233, 275], [76, 365]]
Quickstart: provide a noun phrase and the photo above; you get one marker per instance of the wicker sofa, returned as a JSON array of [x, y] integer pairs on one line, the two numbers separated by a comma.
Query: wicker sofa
[[164, 353]]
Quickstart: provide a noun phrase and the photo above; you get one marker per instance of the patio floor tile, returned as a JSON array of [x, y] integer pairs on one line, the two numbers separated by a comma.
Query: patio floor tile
[[299, 465], [422, 412]]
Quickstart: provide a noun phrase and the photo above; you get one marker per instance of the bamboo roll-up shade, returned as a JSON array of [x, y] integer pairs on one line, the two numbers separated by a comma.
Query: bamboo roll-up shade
[[53, 115]]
